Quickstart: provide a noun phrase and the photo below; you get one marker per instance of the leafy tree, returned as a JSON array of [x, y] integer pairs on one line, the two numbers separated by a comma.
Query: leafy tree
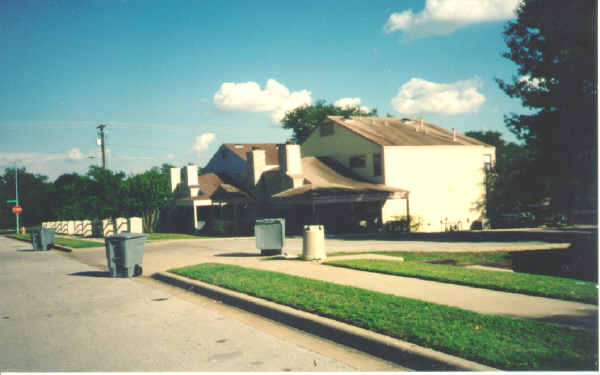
[[511, 183], [34, 196], [148, 192], [554, 42], [70, 197], [304, 120], [106, 193]]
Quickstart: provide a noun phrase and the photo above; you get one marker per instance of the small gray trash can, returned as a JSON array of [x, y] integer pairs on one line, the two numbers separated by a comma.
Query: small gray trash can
[[42, 239], [124, 253], [269, 235]]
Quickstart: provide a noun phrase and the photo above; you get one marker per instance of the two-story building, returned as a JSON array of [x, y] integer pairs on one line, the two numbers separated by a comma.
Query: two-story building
[[444, 171], [349, 172]]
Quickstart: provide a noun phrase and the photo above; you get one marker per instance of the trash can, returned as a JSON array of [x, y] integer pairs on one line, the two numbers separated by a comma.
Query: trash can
[[269, 235], [42, 239], [124, 253], [313, 242]]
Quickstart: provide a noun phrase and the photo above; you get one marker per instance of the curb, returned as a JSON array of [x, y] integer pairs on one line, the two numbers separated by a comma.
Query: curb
[[382, 346], [54, 246]]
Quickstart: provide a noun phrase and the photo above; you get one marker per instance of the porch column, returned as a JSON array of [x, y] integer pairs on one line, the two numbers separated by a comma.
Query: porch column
[[195, 226]]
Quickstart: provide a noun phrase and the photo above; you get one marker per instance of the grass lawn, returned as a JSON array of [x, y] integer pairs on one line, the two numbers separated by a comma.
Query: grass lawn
[[172, 236], [498, 341], [461, 258], [68, 242], [535, 285]]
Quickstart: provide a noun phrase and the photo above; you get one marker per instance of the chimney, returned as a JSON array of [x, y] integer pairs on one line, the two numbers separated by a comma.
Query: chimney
[[175, 178], [191, 175], [422, 126], [453, 135], [257, 161], [290, 159]]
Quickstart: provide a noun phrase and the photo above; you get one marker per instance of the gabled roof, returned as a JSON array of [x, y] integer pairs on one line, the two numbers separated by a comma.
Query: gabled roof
[[213, 185], [319, 176], [390, 131], [241, 149]]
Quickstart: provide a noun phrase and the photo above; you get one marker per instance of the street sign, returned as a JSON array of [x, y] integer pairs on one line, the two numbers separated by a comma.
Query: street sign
[[11, 201], [17, 210]]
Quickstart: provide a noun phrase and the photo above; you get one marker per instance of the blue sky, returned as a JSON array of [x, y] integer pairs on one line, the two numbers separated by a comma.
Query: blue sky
[[175, 79]]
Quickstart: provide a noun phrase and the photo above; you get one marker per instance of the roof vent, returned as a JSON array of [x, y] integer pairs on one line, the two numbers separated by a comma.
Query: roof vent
[[453, 135], [422, 126]]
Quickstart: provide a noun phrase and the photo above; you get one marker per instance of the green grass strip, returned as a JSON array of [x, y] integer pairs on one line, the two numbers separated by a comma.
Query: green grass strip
[[498, 341], [463, 257], [68, 242], [535, 285], [172, 236]]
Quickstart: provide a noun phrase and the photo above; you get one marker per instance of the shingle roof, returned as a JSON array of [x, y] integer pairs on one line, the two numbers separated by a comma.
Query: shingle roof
[[319, 176], [213, 184], [390, 131], [241, 149]]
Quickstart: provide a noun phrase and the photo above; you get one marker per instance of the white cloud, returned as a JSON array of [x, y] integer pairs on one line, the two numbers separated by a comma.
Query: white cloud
[[442, 17], [202, 142], [420, 96], [170, 156], [248, 96], [346, 103], [75, 154], [533, 83]]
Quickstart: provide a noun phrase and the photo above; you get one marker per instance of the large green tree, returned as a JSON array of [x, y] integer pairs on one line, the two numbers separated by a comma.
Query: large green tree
[[34, 197], [554, 44], [304, 120], [106, 193], [147, 194], [511, 182], [71, 197]]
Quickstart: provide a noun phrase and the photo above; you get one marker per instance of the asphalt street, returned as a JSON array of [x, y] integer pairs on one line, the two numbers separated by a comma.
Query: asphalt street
[[58, 314]]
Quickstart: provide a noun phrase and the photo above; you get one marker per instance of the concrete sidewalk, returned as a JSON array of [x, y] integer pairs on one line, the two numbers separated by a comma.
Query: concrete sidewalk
[[165, 255]]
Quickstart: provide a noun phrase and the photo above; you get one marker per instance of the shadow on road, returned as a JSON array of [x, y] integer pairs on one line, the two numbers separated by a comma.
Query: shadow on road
[[91, 274], [26, 251]]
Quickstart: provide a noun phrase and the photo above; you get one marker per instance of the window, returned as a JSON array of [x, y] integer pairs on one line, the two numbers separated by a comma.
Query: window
[[326, 129], [376, 164], [487, 162], [358, 161]]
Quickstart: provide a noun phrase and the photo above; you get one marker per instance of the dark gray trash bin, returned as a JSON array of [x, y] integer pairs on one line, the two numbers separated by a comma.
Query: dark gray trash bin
[[42, 239], [269, 235], [124, 253]]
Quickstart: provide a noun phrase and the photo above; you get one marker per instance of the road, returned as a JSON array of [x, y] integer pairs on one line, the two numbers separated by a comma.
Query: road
[[59, 314]]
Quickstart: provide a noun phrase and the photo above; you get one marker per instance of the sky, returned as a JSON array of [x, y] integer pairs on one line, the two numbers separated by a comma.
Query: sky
[[175, 79]]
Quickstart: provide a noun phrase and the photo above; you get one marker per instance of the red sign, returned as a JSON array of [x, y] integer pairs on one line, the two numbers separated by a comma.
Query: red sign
[[17, 209]]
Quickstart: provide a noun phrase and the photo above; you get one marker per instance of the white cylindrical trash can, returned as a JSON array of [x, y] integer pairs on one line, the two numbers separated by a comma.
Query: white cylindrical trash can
[[313, 242]]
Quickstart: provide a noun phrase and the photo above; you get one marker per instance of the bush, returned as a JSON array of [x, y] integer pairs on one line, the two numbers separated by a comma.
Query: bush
[[220, 226], [400, 224]]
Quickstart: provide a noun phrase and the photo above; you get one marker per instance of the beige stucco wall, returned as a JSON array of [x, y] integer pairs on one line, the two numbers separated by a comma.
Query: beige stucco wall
[[444, 182], [342, 144]]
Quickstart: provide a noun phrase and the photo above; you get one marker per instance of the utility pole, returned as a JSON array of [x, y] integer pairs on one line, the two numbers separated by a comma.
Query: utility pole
[[101, 143]]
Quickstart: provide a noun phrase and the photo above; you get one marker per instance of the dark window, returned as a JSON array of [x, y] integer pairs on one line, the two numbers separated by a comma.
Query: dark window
[[487, 163], [376, 164], [358, 161], [326, 129]]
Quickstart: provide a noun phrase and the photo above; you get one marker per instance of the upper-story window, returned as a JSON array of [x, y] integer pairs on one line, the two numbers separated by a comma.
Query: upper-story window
[[376, 164], [326, 129], [358, 161]]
